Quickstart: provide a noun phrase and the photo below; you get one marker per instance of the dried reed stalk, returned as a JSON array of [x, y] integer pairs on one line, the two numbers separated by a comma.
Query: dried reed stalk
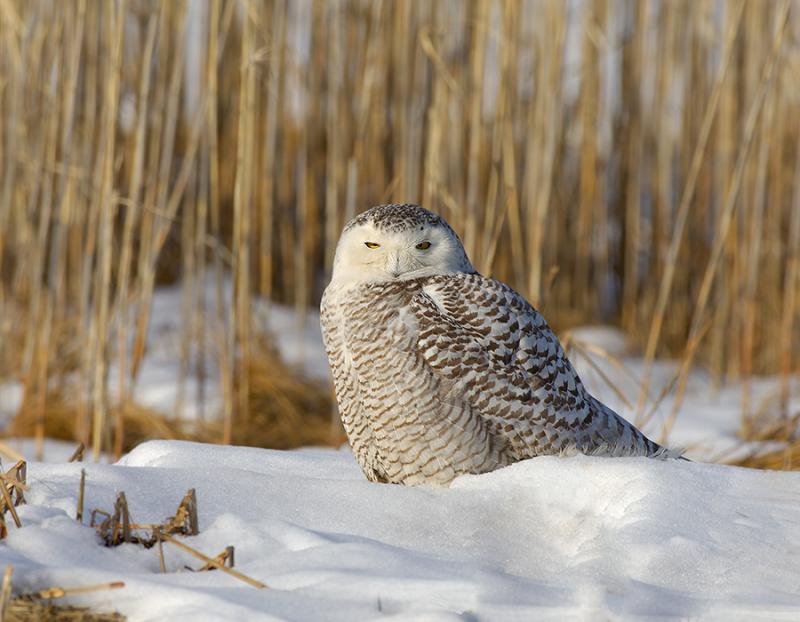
[[727, 212], [225, 144], [671, 262], [213, 562]]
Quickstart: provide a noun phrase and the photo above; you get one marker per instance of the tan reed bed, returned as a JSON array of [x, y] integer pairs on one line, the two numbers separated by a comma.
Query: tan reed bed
[[287, 411], [626, 162]]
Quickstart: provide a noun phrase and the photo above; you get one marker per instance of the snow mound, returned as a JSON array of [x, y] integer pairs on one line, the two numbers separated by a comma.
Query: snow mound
[[549, 538]]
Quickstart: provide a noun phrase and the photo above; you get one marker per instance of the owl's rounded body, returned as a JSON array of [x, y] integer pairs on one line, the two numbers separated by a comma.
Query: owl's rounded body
[[440, 371]]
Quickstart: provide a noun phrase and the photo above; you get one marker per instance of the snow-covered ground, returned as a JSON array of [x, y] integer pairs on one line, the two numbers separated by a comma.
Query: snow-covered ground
[[10, 399], [550, 538], [547, 539]]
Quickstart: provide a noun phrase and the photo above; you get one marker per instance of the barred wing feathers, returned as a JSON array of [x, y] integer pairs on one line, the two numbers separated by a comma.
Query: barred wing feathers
[[489, 347]]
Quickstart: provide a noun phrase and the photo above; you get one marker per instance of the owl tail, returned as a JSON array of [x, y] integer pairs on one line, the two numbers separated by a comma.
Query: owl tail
[[629, 440]]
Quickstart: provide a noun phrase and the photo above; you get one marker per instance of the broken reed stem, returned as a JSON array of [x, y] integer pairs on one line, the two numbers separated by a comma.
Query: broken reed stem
[[9, 504], [62, 592], [117, 528], [5, 591], [81, 496], [14, 478], [77, 455], [212, 562], [162, 565], [9, 452], [225, 556]]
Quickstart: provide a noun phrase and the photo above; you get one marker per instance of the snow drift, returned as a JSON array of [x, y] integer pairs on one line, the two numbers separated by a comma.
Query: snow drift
[[550, 538]]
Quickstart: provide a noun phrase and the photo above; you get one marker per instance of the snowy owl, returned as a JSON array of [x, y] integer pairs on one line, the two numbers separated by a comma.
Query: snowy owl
[[440, 371]]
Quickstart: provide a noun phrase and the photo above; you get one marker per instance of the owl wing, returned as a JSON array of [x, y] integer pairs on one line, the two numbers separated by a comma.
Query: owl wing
[[488, 346]]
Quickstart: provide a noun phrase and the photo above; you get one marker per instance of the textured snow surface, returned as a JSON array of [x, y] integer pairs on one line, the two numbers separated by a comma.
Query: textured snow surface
[[549, 538]]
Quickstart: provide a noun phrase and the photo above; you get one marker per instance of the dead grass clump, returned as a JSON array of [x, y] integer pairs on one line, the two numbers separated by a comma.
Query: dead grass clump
[[28, 610], [783, 431], [117, 528], [140, 423], [784, 459], [39, 606], [13, 485], [285, 410]]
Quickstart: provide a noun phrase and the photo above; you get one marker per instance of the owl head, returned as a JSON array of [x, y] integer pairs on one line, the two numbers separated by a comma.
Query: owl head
[[397, 241]]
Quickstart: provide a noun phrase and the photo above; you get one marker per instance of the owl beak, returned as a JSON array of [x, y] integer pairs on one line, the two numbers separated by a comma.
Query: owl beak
[[393, 265]]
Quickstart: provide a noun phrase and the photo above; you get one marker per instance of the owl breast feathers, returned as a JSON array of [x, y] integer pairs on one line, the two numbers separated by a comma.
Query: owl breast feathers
[[443, 374]]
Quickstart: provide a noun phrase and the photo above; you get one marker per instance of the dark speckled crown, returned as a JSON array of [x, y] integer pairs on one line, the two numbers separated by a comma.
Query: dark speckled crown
[[397, 217]]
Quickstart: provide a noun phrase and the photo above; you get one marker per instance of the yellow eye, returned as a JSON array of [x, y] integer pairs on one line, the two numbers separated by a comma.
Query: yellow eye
[[423, 246], [371, 245]]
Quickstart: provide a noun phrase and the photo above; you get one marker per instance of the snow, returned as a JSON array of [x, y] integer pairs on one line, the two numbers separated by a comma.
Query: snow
[[549, 538], [299, 340], [53, 450], [10, 400]]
